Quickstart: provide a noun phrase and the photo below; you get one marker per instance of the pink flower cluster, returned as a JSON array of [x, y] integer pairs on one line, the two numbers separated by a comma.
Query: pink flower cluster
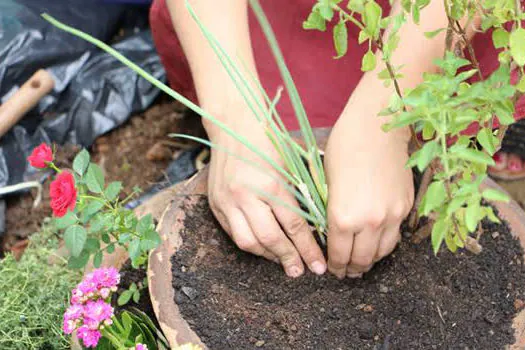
[[89, 312]]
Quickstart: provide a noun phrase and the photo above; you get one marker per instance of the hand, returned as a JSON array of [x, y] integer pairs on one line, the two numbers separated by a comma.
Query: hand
[[370, 192], [255, 223]]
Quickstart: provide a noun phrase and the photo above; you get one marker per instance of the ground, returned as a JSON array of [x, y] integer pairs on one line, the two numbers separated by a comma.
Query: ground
[[144, 152]]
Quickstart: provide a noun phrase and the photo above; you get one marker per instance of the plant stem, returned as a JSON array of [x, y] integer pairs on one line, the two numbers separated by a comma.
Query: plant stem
[[54, 167], [97, 199]]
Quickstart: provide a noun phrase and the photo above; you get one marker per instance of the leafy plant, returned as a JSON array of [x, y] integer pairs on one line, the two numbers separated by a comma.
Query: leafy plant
[[132, 293], [91, 212], [445, 103], [303, 173], [440, 108], [33, 295]]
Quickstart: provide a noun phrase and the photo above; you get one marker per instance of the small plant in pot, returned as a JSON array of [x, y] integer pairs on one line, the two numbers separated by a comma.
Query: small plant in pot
[[446, 288]]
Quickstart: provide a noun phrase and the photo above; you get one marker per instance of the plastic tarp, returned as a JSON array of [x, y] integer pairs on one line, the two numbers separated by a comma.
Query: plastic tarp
[[93, 92]]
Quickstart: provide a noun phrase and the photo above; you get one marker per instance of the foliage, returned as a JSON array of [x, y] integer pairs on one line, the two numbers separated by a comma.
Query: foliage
[[446, 103], [441, 107], [303, 173], [33, 296], [100, 221]]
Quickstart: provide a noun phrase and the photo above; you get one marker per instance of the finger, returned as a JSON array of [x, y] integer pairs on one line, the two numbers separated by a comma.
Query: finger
[[242, 234], [389, 241], [340, 243], [268, 232], [300, 234], [364, 251]]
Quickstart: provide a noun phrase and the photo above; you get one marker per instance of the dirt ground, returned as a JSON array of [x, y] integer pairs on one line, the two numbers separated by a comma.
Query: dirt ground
[[136, 153]]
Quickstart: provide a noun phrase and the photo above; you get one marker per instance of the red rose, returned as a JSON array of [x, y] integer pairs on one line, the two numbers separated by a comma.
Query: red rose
[[63, 194], [41, 156]]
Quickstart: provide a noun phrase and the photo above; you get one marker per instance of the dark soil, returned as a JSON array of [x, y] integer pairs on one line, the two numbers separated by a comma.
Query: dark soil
[[410, 300], [128, 275], [124, 154]]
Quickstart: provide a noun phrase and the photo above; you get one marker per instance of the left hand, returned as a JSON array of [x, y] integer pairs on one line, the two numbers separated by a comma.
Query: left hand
[[370, 191]]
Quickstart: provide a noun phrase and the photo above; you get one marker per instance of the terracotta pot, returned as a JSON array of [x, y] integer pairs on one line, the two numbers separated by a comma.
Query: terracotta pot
[[177, 330]]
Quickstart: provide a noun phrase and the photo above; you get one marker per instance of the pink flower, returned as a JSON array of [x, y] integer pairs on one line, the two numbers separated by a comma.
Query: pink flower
[[74, 312], [76, 296], [90, 337], [141, 347], [87, 287], [69, 325], [40, 156], [96, 312], [104, 293], [106, 277]]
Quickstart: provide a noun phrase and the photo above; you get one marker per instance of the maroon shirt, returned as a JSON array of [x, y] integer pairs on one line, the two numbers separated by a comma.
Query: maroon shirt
[[324, 83]]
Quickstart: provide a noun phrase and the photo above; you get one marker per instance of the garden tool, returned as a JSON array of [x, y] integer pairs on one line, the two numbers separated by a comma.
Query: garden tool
[[23, 100]]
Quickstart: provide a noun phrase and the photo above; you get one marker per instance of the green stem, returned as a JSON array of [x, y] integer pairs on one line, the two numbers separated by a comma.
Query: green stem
[[54, 167], [83, 196], [106, 333]]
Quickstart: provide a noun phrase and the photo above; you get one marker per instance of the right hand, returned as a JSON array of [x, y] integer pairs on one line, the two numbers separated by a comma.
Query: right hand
[[254, 222]]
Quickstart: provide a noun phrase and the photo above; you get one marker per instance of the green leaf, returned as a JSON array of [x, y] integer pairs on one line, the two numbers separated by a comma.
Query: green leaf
[[134, 249], [486, 139], [92, 245], [136, 297], [500, 38], [363, 36], [326, 11], [415, 14], [372, 18], [92, 208], [78, 262], [433, 33], [123, 299], [427, 153], [95, 178], [439, 230], [315, 21], [75, 238], [451, 243], [145, 224], [65, 221], [150, 241], [127, 321], [97, 259], [434, 197], [110, 248], [340, 35], [105, 238], [517, 46], [521, 84], [113, 190], [369, 62], [495, 195], [489, 212], [356, 6], [428, 131], [472, 216], [81, 162], [473, 155]]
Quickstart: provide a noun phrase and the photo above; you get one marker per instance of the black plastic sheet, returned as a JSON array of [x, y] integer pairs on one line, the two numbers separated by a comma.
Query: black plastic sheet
[[93, 92]]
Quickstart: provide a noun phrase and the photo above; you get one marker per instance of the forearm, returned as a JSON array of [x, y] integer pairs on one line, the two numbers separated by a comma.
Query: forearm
[[228, 21]]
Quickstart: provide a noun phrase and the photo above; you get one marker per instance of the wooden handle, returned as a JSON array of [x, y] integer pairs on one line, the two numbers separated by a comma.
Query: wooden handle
[[27, 97]]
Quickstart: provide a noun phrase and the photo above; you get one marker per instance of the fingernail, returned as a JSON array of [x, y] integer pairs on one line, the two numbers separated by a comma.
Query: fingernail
[[318, 267], [354, 274], [294, 271]]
